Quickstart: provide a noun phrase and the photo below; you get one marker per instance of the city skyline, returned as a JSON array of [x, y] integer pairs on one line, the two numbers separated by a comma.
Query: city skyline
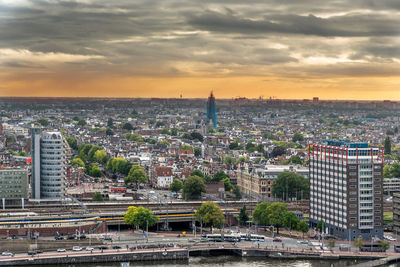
[[164, 49]]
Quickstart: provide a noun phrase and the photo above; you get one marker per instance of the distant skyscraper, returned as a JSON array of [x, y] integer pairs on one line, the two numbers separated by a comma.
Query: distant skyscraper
[[212, 110], [48, 157]]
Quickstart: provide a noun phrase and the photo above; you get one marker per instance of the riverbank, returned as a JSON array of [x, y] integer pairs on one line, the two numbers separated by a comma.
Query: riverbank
[[165, 254]]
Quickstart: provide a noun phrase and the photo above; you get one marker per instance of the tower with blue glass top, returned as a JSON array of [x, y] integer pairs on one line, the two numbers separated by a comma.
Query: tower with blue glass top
[[212, 110]]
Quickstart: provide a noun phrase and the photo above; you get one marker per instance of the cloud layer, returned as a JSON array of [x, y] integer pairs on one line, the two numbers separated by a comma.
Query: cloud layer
[[163, 48]]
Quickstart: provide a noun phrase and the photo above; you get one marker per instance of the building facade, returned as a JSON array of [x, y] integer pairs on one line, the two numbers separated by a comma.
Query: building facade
[[396, 213], [48, 165], [346, 189], [391, 185], [13, 183], [258, 182]]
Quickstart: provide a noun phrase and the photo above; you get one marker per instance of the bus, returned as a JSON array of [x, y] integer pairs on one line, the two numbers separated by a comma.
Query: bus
[[121, 190], [231, 238], [259, 238], [214, 237]]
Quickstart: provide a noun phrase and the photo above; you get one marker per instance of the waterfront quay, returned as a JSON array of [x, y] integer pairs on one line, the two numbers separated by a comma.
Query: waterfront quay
[[184, 252]]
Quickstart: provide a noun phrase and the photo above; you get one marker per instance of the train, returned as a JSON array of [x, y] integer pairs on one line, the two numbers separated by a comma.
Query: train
[[101, 217]]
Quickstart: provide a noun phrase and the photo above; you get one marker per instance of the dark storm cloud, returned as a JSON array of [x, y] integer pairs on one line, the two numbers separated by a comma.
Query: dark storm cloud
[[361, 25], [136, 37]]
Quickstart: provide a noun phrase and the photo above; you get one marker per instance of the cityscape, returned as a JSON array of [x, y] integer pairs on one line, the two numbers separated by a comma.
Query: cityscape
[[213, 133]]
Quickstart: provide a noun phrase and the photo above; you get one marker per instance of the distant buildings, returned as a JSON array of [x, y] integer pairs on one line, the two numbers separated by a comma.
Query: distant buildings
[[13, 183], [163, 177], [212, 110], [346, 189], [391, 185], [48, 161]]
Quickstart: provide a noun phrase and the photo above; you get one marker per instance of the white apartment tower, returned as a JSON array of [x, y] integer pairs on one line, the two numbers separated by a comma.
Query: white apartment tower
[[346, 189], [48, 164]]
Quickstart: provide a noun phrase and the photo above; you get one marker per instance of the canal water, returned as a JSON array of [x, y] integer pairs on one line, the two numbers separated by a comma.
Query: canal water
[[230, 261]]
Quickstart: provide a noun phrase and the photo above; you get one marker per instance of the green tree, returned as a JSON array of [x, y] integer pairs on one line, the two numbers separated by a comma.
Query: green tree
[[193, 187], [296, 160], [197, 135], [77, 162], [384, 244], [119, 165], [176, 185], [197, 152], [72, 142], [298, 137], [290, 184], [165, 131], [358, 242], [81, 122], [92, 151], [100, 156], [109, 132], [219, 176], [321, 226], [243, 217], [174, 132], [22, 154], [98, 197], [227, 184], [43, 122], [136, 175], [290, 220], [197, 172], [250, 147], [134, 137], [210, 213], [260, 214], [110, 123], [302, 226], [94, 170], [228, 160], [237, 193], [140, 217], [76, 118], [275, 212], [127, 126], [388, 146]]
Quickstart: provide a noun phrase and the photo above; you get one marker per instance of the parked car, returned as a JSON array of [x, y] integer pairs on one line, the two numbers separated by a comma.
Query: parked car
[[61, 250], [59, 237], [7, 254], [32, 252], [38, 251], [107, 238], [89, 248], [76, 248], [305, 242], [71, 236], [116, 247], [277, 240], [101, 247]]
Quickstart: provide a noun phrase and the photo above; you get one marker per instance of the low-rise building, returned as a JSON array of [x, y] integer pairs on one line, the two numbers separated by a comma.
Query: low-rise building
[[163, 177], [13, 183], [391, 185], [258, 182]]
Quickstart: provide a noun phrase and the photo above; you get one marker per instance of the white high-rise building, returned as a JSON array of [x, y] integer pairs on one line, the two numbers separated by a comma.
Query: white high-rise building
[[48, 165], [346, 189]]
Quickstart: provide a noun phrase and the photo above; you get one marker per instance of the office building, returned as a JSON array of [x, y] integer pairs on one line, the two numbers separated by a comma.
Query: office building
[[48, 165], [346, 189], [13, 183], [212, 110]]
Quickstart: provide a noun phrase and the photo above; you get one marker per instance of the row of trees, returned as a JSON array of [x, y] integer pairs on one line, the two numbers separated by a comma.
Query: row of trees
[[291, 185], [276, 214]]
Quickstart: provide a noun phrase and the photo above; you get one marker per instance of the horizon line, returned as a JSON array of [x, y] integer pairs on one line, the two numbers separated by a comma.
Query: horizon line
[[193, 98]]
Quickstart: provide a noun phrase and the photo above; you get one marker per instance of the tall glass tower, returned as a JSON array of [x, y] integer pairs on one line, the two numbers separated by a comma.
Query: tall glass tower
[[212, 110]]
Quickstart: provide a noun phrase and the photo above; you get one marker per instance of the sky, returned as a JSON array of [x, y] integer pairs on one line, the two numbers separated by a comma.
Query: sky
[[293, 49]]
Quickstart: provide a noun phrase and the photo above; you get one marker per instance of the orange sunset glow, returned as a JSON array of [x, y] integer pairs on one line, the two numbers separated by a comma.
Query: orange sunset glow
[[290, 49]]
